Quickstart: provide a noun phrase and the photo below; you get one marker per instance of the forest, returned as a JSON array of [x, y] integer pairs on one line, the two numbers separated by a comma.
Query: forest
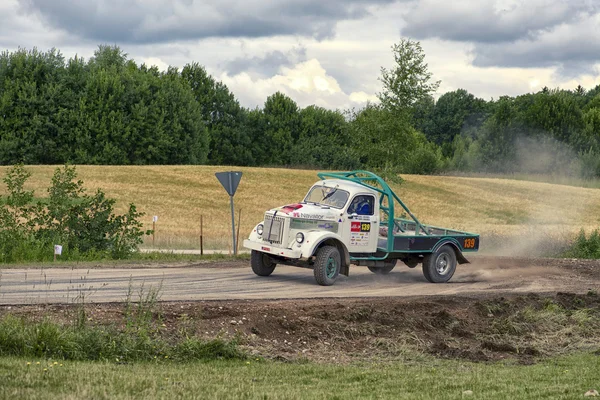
[[110, 110]]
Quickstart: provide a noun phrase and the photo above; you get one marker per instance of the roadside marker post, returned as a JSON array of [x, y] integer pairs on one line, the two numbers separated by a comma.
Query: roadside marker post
[[57, 251], [154, 221], [230, 181]]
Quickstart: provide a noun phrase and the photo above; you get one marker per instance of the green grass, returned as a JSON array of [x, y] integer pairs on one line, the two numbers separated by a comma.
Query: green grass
[[562, 378], [136, 259], [140, 339]]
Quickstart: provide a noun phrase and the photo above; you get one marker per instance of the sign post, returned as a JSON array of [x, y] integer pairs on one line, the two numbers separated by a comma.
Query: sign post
[[230, 181]]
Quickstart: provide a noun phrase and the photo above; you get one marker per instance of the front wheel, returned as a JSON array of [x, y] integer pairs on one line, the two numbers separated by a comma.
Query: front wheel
[[327, 265], [261, 263], [439, 267]]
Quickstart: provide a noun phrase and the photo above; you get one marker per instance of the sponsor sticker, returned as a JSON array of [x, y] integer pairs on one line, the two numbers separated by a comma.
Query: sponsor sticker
[[304, 224], [265, 248]]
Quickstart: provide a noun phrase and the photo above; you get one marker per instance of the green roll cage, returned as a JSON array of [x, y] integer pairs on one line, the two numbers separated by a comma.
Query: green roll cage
[[386, 204]]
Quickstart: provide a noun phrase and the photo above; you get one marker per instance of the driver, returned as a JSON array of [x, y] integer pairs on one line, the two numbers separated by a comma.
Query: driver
[[361, 206]]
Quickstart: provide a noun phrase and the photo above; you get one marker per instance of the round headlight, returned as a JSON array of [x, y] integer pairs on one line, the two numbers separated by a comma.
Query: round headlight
[[259, 229], [299, 237]]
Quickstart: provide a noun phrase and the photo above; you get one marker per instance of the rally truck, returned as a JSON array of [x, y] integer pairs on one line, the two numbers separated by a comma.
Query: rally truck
[[351, 218]]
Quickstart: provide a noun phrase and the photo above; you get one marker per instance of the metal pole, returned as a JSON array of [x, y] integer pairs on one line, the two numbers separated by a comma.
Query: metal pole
[[238, 227], [201, 235], [233, 226], [232, 218]]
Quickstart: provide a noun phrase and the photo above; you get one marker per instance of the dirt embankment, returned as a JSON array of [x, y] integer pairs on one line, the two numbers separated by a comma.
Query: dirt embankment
[[523, 327]]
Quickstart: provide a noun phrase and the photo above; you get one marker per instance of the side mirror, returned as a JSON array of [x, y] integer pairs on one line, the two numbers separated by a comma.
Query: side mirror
[[352, 215]]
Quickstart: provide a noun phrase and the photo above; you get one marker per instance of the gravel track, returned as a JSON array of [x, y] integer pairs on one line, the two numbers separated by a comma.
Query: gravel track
[[234, 280]]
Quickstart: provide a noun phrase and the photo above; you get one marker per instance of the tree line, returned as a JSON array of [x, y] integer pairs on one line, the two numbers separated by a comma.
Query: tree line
[[110, 110]]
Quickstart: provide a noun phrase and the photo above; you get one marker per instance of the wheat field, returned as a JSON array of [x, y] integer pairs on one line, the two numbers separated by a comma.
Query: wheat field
[[181, 195]]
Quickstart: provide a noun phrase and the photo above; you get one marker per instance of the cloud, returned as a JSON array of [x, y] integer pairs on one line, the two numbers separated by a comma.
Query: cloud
[[515, 33], [155, 21], [572, 49], [306, 82], [489, 21], [267, 64]]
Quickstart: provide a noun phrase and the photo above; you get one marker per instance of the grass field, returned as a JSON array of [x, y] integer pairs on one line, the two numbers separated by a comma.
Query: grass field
[[561, 378], [180, 195]]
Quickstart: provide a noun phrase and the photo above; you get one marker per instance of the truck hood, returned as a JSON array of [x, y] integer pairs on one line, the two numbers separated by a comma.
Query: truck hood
[[309, 211]]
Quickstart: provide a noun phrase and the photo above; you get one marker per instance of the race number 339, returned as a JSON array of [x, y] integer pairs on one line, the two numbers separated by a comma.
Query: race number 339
[[469, 244]]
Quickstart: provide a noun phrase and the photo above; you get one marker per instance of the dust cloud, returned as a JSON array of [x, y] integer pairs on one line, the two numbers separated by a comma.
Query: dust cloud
[[540, 235]]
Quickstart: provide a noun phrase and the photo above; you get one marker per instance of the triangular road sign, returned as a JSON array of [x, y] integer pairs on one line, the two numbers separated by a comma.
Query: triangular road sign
[[229, 180]]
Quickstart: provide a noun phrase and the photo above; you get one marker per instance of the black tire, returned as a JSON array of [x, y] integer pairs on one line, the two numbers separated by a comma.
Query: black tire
[[327, 265], [261, 263], [439, 267], [383, 270]]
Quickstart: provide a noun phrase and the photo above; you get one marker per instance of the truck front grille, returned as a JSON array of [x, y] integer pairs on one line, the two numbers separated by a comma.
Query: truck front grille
[[273, 229]]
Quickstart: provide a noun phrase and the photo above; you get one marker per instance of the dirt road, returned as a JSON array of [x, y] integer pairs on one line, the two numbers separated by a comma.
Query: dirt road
[[235, 280]]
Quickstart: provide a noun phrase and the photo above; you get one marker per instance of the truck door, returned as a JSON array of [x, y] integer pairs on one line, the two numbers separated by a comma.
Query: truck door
[[361, 228]]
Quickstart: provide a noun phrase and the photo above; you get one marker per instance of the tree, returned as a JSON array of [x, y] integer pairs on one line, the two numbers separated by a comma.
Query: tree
[[455, 112], [324, 141], [31, 98], [282, 128], [385, 143], [409, 80], [224, 117]]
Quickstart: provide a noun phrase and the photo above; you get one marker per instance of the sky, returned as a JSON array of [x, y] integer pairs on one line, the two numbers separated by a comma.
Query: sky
[[328, 52]]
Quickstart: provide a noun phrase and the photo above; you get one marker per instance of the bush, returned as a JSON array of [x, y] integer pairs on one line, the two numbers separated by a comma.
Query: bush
[[47, 339], [584, 246], [85, 225]]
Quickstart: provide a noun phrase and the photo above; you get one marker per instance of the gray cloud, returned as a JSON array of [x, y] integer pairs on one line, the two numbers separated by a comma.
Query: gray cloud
[[489, 21], [266, 65], [572, 49], [515, 33], [154, 21]]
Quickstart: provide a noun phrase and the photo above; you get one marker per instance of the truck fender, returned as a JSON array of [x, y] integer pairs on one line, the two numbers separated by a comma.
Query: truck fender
[[460, 258], [254, 235], [331, 240]]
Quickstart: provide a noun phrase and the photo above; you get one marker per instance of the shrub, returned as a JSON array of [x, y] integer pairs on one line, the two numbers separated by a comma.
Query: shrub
[[584, 246], [85, 225]]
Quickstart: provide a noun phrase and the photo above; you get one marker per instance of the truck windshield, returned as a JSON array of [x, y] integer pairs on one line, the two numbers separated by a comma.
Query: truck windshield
[[327, 196]]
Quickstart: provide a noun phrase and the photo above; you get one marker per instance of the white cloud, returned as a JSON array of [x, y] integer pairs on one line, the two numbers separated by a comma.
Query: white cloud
[[155, 61], [362, 97], [306, 82]]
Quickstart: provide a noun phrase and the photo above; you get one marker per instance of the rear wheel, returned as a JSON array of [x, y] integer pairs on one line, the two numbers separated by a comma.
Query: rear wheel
[[439, 267], [386, 269], [327, 265], [261, 263]]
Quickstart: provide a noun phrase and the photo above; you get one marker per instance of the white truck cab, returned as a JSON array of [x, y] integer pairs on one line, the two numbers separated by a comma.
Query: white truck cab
[[340, 215]]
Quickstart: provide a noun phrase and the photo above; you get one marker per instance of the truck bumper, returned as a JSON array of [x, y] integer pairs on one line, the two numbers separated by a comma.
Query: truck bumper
[[268, 249]]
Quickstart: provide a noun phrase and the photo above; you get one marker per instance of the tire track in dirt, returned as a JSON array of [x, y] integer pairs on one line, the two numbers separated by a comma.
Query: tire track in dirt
[[234, 280]]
